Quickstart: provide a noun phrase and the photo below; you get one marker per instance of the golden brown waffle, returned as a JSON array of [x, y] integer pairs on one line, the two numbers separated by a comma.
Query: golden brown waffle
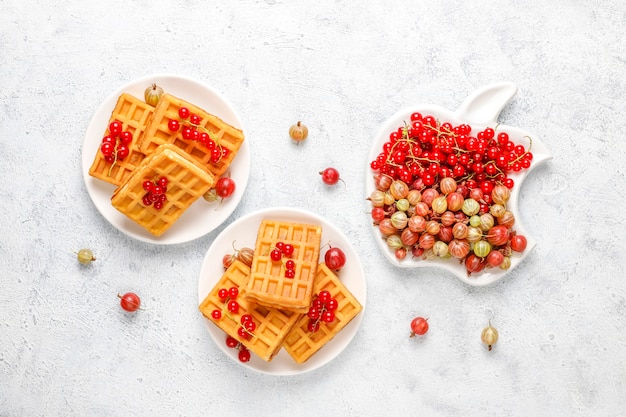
[[186, 183], [158, 133], [134, 115], [272, 325], [267, 284], [301, 343]]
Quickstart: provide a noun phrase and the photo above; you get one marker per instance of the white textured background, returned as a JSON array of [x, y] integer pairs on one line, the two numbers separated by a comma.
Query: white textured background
[[66, 348]]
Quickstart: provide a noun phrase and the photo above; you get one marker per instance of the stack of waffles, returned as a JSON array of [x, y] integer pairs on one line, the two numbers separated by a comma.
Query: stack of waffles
[[279, 304], [156, 150]]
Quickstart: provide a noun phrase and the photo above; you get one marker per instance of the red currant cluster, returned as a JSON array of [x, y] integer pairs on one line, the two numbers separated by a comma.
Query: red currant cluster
[[115, 145], [155, 192], [322, 310], [189, 125], [229, 296], [284, 249], [427, 150], [244, 353]]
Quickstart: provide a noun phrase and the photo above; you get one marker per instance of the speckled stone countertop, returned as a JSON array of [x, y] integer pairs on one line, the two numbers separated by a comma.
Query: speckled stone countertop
[[67, 349]]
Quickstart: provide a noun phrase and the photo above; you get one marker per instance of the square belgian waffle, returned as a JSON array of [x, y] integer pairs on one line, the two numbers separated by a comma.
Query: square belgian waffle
[[158, 133], [272, 325], [301, 343], [268, 284], [186, 183], [134, 115]]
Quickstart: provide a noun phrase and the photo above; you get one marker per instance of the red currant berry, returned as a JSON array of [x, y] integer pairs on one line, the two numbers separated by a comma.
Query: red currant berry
[[244, 355], [332, 304], [241, 332], [107, 149], [173, 125], [276, 255], [187, 133], [313, 326], [324, 296], [290, 273], [147, 186], [222, 293], [162, 182], [330, 176], [288, 249], [122, 151], [290, 264], [129, 301], [194, 119], [328, 316], [250, 326], [147, 199], [158, 205], [233, 292], [183, 112], [126, 137], [216, 314], [245, 318], [233, 306], [313, 313], [216, 155], [115, 127], [109, 139], [231, 342]]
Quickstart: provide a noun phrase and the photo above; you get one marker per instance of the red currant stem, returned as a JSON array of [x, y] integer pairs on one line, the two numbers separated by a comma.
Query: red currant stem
[[230, 316], [530, 146], [114, 160], [138, 308], [208, 131]]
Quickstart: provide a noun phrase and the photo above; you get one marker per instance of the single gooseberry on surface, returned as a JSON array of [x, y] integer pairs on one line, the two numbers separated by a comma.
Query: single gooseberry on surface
[[130, 301], [85, 256], [298, 132], [419, 326], [225, 187], [330, 176], [489, 336], [153, 94], [335, 258]]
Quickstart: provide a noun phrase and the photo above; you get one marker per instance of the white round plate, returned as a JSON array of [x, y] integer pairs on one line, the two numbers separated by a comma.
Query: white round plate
[[479, 110], [202, 217], [243, 232]]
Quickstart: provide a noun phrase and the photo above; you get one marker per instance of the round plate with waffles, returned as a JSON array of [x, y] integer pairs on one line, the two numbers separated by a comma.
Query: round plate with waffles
[[288, 359], [198, 216]]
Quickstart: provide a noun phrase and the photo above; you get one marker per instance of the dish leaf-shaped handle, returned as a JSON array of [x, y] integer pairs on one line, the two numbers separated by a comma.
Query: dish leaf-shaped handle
[[484, 105]]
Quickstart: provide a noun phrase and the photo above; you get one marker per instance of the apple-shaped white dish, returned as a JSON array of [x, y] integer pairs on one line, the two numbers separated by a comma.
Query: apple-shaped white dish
[[480, 110]]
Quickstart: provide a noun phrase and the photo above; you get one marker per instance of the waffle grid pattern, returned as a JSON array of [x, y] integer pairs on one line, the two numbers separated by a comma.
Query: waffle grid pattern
[[158, 133], [267, 284], [302, 344], [272, 324], [134, 115], [186, 183]]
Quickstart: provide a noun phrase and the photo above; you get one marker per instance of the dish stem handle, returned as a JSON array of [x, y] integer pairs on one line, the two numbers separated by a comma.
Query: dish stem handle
[[484, 105]]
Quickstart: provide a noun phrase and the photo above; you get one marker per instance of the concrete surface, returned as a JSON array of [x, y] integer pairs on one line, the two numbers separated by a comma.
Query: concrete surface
[[66, 348]]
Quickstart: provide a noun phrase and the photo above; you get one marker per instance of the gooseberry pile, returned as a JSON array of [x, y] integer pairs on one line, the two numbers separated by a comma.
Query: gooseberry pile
[[442, 192], [191, 129], [322, 309], [155, 192]]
